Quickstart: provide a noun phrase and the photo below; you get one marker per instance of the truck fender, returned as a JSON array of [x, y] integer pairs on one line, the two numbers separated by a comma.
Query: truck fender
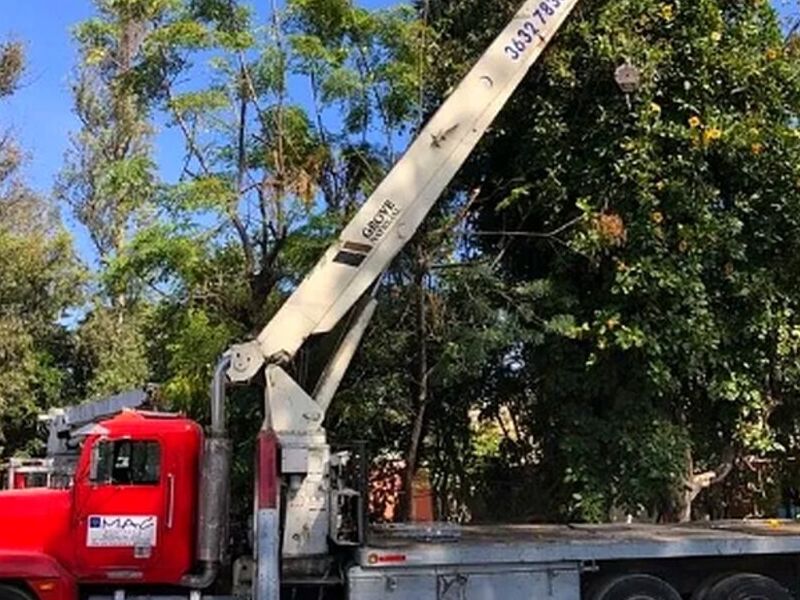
[[43, 574]]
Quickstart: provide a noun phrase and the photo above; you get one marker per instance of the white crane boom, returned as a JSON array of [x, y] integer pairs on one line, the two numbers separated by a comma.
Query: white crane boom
[[394, 211], [312, 510]]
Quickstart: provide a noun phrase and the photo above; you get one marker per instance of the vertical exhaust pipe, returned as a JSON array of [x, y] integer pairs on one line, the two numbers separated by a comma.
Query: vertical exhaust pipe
[[214, 489]]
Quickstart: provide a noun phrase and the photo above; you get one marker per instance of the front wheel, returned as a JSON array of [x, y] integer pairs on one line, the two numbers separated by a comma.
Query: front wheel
[[634, 587]]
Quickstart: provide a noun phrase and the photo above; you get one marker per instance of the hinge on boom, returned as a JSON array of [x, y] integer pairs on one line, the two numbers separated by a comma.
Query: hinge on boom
[[246, 360]]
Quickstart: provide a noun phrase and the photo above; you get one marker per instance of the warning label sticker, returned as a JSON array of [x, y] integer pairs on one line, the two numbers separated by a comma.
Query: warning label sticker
[[108, 531]]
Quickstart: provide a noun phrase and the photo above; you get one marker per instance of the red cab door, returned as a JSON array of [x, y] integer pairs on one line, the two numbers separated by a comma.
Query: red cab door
[[121, 501]]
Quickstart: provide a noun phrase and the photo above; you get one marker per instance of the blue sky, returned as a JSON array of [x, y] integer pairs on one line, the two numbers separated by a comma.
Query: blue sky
[[40, 114]]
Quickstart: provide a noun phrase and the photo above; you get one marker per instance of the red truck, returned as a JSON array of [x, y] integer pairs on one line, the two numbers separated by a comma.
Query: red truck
[[130, 515]]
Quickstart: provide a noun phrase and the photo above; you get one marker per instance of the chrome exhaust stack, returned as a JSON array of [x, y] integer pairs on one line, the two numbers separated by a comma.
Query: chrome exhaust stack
[[214, 490]]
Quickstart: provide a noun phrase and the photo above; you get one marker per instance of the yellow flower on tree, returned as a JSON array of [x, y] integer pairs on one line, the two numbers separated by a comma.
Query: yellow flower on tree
[[772, 54], [716, 36], [667, 12], [711, 134], [657, 217], [655, 108], [694, 121], [757, 148]]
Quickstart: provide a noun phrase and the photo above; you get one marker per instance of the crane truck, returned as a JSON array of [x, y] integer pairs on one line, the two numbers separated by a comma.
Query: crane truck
[[146, 515]]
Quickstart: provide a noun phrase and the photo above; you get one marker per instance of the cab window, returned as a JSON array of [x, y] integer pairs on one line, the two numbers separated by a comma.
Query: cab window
[[126, 462]]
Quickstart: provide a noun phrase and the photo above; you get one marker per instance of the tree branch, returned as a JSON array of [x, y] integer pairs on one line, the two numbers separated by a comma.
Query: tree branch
[[530, 234], [706, 479]]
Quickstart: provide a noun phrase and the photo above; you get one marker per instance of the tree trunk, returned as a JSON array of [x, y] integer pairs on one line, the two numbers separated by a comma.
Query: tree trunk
[[421, 400], [687, 494], [697, 482]]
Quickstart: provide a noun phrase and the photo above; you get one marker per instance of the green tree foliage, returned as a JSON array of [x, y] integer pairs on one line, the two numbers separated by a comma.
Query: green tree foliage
[[109, 182], [40, 280], [650, 247], [267, 178], [414, 389]]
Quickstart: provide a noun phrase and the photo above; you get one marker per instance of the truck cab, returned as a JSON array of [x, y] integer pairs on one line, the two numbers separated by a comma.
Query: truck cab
[[130, 516]]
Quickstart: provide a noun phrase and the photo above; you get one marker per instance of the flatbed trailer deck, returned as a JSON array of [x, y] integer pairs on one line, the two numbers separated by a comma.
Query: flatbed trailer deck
[[561, 561], [554, 543]]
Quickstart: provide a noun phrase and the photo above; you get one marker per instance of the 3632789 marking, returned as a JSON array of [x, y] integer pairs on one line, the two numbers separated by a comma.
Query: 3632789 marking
[[529, 31]]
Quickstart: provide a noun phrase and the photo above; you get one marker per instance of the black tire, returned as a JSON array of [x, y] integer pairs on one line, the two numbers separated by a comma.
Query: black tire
[[12, 592], [747, 586], [701, 593], [634, 587]]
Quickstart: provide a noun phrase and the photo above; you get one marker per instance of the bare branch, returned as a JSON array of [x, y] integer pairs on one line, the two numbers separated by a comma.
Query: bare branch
[[188, 132], [530, 234], [701, 481]]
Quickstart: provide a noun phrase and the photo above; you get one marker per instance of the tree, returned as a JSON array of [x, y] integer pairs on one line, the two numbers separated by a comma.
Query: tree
[[40, 280], [267, 178], [649, 244], [109, 181], [415, 386]]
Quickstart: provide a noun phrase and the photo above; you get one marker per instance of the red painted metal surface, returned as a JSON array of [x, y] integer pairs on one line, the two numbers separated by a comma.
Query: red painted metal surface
[[49, 529], [267, 478], [34, 519], [43, 574]]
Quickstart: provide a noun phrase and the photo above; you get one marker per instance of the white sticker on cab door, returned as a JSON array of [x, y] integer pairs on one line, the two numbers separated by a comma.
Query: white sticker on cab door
[[121, 531]]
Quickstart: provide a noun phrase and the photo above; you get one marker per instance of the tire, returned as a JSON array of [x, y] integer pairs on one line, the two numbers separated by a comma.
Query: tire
[[747, 586], [701, 593], [12, 592], [634, 587]]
